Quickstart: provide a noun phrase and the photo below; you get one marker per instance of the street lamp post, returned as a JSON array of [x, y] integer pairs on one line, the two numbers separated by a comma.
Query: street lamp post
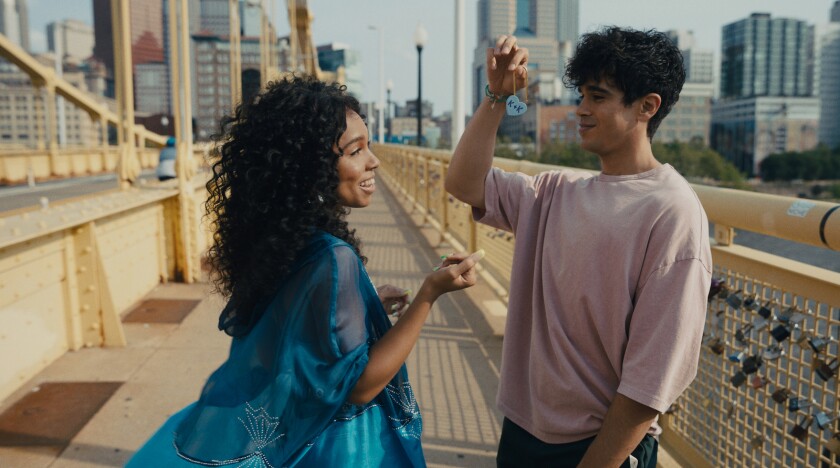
[[420, 37], [381, 128], [389, 85]]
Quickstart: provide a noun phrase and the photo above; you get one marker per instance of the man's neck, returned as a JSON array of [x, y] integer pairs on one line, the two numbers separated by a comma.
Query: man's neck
[[628, 161]]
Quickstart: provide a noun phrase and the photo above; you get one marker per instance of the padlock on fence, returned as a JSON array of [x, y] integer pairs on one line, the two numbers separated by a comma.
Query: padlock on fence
[[738, 379], [823, 420], [781, 395], [735, 300], [780, 333], [833, 444], [800, 431], [752, 364], [827, 370]]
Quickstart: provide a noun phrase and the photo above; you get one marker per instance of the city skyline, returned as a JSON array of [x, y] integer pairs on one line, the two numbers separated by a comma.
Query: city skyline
[[344, 21]]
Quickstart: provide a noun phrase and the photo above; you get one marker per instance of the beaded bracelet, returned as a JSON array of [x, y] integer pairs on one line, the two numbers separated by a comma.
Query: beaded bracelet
[[494, 98]]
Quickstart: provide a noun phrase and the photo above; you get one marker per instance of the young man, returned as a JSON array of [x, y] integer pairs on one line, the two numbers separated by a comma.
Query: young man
[[611, 272]]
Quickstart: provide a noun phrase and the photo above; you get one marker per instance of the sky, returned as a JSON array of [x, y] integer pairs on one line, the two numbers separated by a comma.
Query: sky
[[349, 21]]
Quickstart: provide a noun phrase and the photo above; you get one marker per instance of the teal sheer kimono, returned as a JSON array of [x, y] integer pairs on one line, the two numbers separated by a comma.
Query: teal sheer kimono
[[280, 399]]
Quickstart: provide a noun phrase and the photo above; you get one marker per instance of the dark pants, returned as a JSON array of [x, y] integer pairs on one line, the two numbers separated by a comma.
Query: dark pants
[[518, 448]]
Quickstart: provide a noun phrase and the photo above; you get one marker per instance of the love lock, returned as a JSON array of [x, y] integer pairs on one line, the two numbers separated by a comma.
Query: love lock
[[742, 333], [752, 364], [758, 381], [766, 311], [716, 287], [772, 353], [738, 379], [827, 370], [781, 395], [750, 302], [800, 431], [796, 404], [780, 333], [823, 420], [819, 343], [735, 300], [833, 444]]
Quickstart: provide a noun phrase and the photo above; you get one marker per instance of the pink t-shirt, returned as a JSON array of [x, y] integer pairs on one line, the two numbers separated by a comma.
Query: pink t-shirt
[[608, 294]]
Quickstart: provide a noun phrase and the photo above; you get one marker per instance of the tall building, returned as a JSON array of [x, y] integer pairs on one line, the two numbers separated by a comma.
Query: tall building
[[543, 26], [146, 24], [333, 56], [22, 111], [699, 64], [835, 12], [568, 14], [14, 22], [73, 38], [215, 17], [691, 116], [767, 89], [745, 131], [764, 56], [211, 77], [827, 71]]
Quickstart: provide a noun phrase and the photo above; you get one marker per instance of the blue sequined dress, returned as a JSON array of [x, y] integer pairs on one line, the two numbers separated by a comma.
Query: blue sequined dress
[[280, 399]]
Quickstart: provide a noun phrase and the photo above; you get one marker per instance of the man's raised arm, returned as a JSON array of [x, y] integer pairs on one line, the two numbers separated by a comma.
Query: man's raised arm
[[473, 157]]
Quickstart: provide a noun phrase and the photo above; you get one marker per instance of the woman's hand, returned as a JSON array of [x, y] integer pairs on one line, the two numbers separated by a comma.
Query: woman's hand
[[503, 61], [456, 271], [394, 299]]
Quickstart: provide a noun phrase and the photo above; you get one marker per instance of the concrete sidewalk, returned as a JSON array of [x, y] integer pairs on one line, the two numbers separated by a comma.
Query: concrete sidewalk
[[454, 368]]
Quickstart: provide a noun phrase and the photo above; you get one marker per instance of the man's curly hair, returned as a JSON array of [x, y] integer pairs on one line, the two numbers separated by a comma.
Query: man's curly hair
[[274, 184], [636, 62]]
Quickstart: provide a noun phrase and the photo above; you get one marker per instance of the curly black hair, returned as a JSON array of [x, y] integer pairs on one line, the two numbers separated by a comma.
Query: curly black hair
[[274, 184], [636, 62]]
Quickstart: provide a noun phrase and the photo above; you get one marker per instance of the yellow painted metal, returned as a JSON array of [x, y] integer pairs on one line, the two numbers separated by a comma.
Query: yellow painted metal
[[128, 168], [52, 133], [264, 40], [184, 239], [724, 235], [235, 54], [67, 272], [808, 221], [32, 307], [303, 55]]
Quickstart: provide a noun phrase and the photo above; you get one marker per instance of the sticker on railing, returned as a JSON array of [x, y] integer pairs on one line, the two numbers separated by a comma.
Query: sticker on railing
[[800, 208]]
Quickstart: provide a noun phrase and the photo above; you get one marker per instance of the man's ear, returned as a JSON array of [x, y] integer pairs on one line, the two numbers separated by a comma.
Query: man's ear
[[649, 106]]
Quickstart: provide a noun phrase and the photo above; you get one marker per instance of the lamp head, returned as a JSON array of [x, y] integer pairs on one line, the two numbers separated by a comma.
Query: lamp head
[[420, 36]]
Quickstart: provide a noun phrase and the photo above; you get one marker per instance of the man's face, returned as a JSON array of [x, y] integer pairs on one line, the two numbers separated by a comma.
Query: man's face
[[605, 124]]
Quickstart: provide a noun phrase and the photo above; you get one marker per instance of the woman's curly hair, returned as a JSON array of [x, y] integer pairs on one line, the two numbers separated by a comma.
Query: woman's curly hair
[[636, 62], [274, 184]]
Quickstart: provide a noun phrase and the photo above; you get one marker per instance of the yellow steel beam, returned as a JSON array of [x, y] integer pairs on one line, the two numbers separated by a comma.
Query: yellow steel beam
[[42, 76], [808, 221], [235, 55]]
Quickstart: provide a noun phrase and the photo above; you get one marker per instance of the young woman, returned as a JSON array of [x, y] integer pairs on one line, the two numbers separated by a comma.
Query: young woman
[[316, 373]]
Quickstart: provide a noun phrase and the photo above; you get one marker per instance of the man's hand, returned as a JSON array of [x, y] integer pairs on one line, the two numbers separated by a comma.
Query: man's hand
[[503, 62]]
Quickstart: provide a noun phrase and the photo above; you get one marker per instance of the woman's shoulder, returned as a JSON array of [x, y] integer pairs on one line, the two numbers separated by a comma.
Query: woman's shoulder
[[323, 246]]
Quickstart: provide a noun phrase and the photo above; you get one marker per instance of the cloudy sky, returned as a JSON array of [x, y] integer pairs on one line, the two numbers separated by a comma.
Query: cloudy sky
[[348, 21]]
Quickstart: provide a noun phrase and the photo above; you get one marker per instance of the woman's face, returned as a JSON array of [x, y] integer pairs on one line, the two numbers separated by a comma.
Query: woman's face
[[356, 182]]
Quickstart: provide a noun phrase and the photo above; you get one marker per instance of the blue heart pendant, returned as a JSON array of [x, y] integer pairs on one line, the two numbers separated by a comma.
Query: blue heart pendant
[[514, 106]]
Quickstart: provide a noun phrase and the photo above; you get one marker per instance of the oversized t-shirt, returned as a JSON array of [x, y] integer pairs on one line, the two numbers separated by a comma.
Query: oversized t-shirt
[[608, 294]]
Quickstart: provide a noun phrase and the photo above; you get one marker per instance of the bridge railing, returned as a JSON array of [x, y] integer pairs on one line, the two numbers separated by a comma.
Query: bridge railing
[[766, 391], [69, 270]]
